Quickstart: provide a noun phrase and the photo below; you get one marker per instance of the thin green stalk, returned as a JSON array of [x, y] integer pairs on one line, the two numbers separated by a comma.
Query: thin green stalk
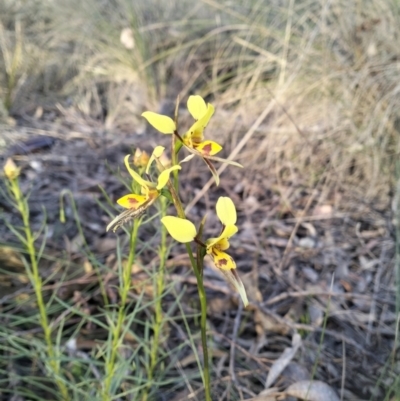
[[198, 271], [174, 154], [202, 297], [160, 286], [125, 285], [36, 280], [203, 322]]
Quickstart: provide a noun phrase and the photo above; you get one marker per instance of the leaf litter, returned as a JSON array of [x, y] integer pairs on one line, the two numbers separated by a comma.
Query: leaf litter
[[294, 243]]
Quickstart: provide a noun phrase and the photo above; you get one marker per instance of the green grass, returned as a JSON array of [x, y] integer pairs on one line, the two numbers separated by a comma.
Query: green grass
[[124, 329]]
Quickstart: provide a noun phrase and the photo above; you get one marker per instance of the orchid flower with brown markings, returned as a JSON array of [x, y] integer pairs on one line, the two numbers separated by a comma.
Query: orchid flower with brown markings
[[193, 139], [183, 230], [137, 204]]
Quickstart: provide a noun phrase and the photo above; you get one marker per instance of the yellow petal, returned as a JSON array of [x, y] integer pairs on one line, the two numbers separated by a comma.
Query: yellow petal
[[11, 171], [164, 124], [157, 152], [208, 148], [218, 242], [131, 213], [222, 260], [187, 140], [226, 211], [135, 175], [164, 176], [223, 244], [197, 129], [229, 231], [181, 230], [132, 201], [196, 106]]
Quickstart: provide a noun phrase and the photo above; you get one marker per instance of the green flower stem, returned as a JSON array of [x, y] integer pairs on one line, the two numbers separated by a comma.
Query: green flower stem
[[36, 280], [160, 286], [116, 330], [198, 271], [174, 161], [203, 321]]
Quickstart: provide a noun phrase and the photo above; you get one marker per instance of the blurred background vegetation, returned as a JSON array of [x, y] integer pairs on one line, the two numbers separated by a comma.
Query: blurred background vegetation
[[332, 66], [323, 75]]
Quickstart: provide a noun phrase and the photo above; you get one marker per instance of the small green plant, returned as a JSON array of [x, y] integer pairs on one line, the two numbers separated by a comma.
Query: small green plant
[[165, 186], [27, 238]]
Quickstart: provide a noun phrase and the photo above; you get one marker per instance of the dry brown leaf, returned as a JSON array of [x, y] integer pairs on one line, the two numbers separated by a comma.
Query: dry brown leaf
[[270, 394], [74, 245], [250, 282], [141, 283], [316, 315], [295, 372], [323, 210], [368, 234], [183, 395], [278, 242], [10, 259], [251, 203], [281, 229], [105, 245], [87, 267], [312, 391], [310, 274], [266, 323], [280, 364], [312, 232], [367, 264], [217, 305], [264, 398], [307, 243]]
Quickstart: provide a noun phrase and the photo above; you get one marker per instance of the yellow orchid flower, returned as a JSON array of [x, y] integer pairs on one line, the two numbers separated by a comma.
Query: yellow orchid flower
[[193, 139], [150, 191], [226, 212], [184, 231], [11, 171]]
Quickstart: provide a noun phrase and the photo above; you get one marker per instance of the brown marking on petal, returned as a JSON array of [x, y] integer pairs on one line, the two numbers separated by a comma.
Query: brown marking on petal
[[129, 214], [206, 150], [133, 201], [222, 262]]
